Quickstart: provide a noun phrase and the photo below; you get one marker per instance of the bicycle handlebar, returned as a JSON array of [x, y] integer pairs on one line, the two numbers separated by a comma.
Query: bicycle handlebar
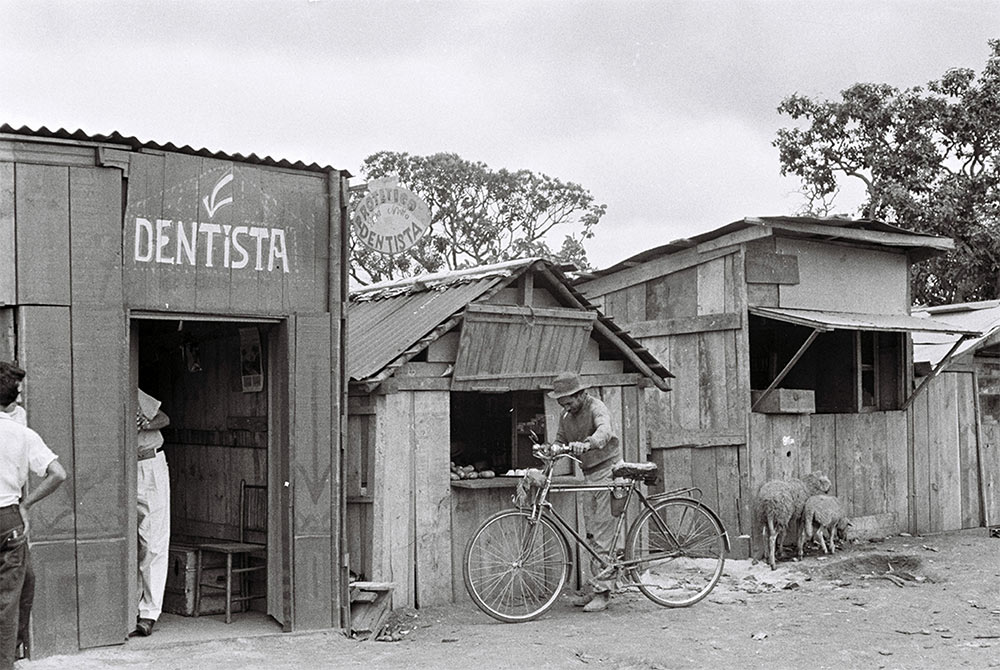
[[550, 452]]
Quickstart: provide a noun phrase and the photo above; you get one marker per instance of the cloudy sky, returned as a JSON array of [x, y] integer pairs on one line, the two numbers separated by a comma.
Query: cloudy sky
[[664, 110]]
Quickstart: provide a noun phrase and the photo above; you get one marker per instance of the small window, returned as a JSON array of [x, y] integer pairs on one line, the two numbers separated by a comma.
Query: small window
[[848, 370], [495, 431]]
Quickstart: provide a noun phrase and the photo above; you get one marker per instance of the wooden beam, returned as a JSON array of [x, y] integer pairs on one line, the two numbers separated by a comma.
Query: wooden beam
[[868, 236], [705, 323], [652, 269]]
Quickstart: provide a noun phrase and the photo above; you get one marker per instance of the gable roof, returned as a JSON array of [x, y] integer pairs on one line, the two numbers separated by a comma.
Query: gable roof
[[982, 317], [391, 322]]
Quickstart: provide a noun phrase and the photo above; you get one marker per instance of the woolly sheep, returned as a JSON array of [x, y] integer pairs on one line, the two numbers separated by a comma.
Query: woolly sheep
[[822, 515], [781, 501]]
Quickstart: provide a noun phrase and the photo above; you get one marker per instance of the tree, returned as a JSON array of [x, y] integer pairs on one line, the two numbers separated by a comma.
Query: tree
[[928, 158], [479, 216]]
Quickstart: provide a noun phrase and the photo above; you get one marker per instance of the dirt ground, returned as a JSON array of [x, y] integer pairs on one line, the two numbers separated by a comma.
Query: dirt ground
[[901, 602]]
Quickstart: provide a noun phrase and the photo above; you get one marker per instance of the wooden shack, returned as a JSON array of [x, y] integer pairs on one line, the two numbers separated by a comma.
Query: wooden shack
[[955, 420], [789, 339], [453, 368], [216, 282]]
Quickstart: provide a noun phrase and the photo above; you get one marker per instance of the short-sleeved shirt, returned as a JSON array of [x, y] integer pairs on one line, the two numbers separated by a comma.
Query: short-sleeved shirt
[[148, 407], [22, 450]]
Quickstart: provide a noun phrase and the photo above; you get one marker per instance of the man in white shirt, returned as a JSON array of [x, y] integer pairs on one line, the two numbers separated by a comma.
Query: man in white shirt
[[22, 451], [153, 498]]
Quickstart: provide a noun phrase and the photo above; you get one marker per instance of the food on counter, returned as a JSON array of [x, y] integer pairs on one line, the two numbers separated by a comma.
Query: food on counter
[[470, 472]]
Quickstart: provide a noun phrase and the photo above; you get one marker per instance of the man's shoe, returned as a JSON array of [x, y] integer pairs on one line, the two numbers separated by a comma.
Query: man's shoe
[[599, 603], [143, 628], [583, 598]]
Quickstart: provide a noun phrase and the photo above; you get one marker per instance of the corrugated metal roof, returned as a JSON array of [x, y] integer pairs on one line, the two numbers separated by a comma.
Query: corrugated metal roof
[[390, 322], [825, 320], [983, 317], [135, 143], [932, 243], [380, 330]]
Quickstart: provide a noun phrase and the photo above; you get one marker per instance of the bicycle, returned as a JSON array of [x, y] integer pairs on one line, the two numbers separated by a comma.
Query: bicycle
[[518, 561]]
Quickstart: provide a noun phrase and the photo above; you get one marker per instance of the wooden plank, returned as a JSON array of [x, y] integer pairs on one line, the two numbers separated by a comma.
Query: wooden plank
[[683, 325], [316, 591], [104, 614], [968, 449], [648, 270], [991, 470], [673, 296], [847, 446], [42, 234], [8, 262], [96, 246], [631, 437], [727, 470], [945, 436], [920, 485], [896, 467], [392, 553], [714, 401], [823, 447], [635, 303], [712, 287], [686, 394], [54, 613], [432, 490], [675, 467], [101, 502], [763, 295], [772, 268]]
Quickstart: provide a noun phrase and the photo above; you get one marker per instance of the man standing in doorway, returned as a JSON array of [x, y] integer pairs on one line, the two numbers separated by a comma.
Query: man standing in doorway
[[585, 426], [22, 451], [153, 497]]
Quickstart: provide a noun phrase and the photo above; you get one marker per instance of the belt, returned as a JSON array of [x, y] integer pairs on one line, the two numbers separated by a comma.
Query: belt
[[146, 455]]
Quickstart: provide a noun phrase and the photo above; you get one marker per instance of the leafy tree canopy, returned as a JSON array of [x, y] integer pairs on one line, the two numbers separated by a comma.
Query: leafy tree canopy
[[928, 158], [479, 216]]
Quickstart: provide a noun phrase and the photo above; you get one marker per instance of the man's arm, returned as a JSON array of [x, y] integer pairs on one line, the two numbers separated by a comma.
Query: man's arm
[[54, 476], [161, 420]]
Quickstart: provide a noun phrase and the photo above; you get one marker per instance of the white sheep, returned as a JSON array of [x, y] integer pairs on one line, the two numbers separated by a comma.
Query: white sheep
[[822, 515], [779, 502]]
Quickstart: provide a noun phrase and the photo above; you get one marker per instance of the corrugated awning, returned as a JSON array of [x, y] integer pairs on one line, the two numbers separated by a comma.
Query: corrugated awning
[[822, 320]]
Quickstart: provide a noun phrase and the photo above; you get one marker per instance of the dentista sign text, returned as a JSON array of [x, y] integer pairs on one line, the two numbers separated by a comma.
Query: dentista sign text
[[390, 218], [210, 245]]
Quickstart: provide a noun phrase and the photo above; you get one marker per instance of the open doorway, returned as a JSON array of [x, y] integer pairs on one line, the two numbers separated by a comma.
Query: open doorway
[[213, 378]]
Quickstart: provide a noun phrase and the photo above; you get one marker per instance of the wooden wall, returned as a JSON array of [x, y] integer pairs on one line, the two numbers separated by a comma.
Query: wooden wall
[[945, 455], [692, 320], [70, 337], [63, 284], [864, 455], [407, 524], [174, 188]]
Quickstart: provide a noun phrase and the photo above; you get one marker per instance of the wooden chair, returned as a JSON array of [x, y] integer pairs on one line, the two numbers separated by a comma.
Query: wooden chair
[[242, 557]]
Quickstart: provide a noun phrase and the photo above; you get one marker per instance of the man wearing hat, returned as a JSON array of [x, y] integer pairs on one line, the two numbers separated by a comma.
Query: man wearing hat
[[585, 426]]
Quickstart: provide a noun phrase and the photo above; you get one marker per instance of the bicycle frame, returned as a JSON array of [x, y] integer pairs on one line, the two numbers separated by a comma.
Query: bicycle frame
[[541, 506]]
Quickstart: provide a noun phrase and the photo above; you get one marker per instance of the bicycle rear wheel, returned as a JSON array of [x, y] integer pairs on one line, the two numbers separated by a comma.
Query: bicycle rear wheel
[[677, 552], [514, 567]]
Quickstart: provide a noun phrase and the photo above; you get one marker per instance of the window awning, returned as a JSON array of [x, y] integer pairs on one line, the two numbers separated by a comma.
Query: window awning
[[825, 321]]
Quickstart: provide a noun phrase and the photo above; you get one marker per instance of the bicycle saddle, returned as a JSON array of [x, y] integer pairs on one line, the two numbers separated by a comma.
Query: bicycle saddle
[[644, 472]]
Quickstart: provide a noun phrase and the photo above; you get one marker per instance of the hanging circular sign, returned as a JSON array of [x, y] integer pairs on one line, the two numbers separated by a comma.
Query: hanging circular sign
[[390, 218]]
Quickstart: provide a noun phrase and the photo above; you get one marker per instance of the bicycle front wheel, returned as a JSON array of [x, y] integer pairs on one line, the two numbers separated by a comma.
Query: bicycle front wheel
[[515, 567], [676, 552]]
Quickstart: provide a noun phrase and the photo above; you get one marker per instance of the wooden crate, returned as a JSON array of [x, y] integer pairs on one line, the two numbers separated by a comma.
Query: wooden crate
[[178, 596], [786, 401]]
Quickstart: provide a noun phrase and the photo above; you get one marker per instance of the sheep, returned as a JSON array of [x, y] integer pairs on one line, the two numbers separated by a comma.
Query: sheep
[[781, 501], [826, 512]]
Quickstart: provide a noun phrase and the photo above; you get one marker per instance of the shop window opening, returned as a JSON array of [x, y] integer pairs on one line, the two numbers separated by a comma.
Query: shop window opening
[[849, 371]]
